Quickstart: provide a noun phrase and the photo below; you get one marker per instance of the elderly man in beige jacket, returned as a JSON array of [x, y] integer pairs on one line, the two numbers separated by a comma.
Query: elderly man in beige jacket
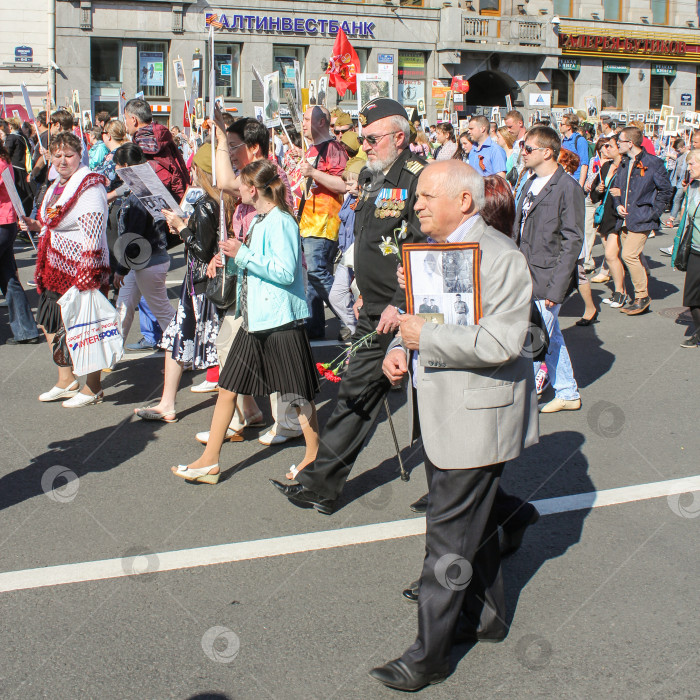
[[477, 408]]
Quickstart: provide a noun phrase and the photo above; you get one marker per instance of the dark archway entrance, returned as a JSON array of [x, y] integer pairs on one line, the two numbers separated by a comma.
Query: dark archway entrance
[[489, 89]]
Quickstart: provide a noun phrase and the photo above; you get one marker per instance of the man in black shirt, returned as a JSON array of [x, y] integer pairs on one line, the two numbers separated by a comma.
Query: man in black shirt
[[384, 210]]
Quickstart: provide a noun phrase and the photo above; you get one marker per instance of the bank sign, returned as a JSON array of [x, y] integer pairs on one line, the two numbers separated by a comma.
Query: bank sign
[[276, 24]]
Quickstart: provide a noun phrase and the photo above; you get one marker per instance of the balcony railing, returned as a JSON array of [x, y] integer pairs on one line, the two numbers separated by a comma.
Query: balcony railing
[[475, 29], [530, 32]]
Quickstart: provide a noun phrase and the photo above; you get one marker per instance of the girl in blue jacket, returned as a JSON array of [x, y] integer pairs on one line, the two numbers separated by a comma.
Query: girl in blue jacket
[[271, 351]]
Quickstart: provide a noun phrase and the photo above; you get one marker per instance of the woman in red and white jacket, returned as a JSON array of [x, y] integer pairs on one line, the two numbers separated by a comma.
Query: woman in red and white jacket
[[72, 252], [22, 322]]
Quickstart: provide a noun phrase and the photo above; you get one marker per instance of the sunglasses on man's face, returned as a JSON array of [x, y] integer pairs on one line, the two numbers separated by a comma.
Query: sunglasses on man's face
[[530, 149], [338, 132], [374, 140]]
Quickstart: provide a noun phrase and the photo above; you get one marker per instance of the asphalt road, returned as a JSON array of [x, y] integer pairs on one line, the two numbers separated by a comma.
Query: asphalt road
[[602, 601]]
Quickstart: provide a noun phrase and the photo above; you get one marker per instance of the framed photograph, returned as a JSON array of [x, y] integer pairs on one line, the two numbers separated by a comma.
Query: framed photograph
[[421, 107], [666, 111], [442, 282], [271, 100], [370, 86], [649, 130], [671, 125], [322, 90], [592, 107], [179, 68], [199, 110], [87, 120], [311, 86]]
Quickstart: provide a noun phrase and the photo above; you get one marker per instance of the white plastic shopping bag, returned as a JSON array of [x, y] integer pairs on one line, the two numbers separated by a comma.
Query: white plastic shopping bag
[[93, 331]]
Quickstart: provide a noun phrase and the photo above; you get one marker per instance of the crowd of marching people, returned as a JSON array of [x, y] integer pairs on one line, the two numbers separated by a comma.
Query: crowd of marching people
[[282, 226]]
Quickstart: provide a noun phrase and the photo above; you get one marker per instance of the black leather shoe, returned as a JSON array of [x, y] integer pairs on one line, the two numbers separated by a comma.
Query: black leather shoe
[[28, 341], [411, 593], [512, 538], [421, 505], [305, 498], [396, 674]]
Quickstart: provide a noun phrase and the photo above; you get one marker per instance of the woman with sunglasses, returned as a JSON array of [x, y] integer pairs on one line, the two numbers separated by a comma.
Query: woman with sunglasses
[[601, 192]]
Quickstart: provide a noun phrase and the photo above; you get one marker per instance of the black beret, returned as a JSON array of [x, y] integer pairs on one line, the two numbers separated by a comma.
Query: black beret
[[381, 108]]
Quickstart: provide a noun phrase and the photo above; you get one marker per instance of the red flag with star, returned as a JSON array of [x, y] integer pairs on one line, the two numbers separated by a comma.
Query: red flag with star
[[344, 65]]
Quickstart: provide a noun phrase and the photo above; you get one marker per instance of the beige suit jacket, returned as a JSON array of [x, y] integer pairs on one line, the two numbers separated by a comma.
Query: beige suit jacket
[[475, 391]]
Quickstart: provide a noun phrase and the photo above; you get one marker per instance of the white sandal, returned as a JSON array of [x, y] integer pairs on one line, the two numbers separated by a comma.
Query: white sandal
[[57, 393], [201, 476], [293, 471], [80, 400]]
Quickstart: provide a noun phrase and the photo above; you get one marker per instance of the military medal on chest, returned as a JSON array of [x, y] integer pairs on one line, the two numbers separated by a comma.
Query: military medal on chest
[[390, 203]]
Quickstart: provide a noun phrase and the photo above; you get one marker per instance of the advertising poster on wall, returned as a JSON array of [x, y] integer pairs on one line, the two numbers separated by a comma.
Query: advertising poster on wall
[[151, 68], [370, 86], [412, 75]]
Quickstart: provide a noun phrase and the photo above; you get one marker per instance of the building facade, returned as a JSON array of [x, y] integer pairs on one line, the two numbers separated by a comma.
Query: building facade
[[536, 53]]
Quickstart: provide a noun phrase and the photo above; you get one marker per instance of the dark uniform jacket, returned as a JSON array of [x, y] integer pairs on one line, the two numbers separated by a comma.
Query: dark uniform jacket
[[376, 273]]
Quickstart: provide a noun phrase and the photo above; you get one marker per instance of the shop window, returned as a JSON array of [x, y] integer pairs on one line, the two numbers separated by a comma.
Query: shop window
[[564, 8], [562, 88], [411, 3], [412, 75], [283, 58], [659, 91], [489, 7], [152, 68], [363, 55], [611, 10], [612, 90], [659, 11], [105, 60], [227, 62]]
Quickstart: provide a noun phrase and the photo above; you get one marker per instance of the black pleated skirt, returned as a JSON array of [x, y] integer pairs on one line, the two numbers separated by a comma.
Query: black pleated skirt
[[691, 290], [260, 364], [48, 312]]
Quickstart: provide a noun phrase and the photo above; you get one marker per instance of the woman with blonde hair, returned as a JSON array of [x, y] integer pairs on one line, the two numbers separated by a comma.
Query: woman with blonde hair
[[506, 140], [113, 136], [190, 337], [271, 351]]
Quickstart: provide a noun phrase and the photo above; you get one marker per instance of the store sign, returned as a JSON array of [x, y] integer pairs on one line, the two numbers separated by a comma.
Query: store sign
[[24, 54], [663, 69], [287, 25], [385, 58], [569, 64], [540, 99], [609, 67], [611, 44]]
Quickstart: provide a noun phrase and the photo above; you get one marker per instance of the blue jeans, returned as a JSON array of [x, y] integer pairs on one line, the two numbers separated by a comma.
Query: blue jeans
[[150, 328], [558, 362], [22, 320], [319, 254]]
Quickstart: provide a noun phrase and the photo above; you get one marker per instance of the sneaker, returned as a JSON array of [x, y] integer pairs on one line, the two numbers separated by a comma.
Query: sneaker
[[31, 283], [609, 300], [141, 346], [617, 300], [205, 387], [541, 379], [667, 251], [556, 405], [652, 234], [692, 342]]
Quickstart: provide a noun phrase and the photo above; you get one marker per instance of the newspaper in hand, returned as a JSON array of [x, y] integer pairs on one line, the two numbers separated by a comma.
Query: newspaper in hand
[[150, 191], [12, 192]]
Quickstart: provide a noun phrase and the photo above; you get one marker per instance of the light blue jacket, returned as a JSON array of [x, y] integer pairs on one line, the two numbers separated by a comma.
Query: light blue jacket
[[275, 281]]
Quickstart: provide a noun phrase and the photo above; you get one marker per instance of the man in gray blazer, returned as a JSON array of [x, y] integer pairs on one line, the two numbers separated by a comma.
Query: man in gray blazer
[[549, 224], [477, 408]]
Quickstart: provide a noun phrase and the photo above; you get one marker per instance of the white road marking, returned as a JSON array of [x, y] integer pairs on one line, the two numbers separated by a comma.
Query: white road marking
[[308, 542]]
